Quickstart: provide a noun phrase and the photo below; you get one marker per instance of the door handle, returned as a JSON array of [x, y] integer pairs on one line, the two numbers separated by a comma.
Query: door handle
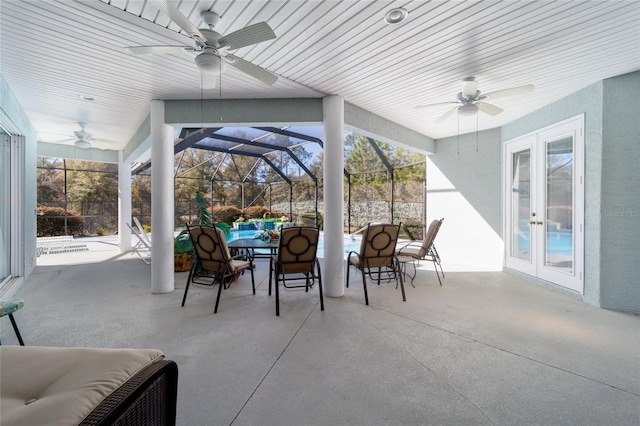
[[532, 222], [539, 223]]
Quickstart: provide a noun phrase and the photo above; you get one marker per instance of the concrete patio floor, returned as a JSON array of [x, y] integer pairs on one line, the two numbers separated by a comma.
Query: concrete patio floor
[[485, 348]]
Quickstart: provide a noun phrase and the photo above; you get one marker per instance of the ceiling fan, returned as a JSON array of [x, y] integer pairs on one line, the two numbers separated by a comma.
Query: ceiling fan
[[213, 48], [471, 100], [83, 138]]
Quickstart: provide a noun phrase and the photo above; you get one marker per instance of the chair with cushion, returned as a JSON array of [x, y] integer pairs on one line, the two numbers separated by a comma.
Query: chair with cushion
[[425, 250], [377, 258], [296, 261], [213, 260], [8, 307]]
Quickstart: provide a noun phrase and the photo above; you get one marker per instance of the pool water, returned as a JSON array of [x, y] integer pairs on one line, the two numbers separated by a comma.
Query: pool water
[[349, 244], [557, 242]]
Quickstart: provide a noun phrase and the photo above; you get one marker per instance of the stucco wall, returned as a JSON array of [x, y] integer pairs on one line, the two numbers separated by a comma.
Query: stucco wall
[[463, 186], [620, 211]]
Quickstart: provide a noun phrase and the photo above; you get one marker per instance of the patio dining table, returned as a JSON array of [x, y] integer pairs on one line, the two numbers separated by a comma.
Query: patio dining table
[[253, 244]]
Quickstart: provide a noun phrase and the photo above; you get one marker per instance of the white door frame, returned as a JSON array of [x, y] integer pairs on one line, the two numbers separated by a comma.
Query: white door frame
[[536, 265]]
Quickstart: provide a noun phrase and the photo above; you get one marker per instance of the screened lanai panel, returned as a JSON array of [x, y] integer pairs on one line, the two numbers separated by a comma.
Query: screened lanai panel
[[304, 150], [254, 141], [284, 141], [313, 131], [218, 144]]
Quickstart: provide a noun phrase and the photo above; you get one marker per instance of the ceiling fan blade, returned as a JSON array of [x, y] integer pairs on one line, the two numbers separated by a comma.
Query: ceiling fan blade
[[208, 80], [247, 36], [60, 141], [436, 104], [143, 50], [509, 92], [166, 7], [489, 109], [446, 115], [251, 69]]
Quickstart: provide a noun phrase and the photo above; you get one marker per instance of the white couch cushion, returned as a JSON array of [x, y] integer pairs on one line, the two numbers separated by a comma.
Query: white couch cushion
[[61, 386]]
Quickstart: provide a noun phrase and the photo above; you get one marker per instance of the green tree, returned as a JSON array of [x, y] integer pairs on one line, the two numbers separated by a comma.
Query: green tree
[[91, 181]]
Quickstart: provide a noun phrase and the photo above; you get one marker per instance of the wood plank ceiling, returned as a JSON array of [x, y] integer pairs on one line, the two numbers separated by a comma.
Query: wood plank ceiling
[[52, 52]]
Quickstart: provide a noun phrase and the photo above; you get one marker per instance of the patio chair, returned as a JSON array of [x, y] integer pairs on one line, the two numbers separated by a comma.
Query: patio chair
[[214, 261], [141, 230], [142, 245], [377, 257], [296, 260], [425, 250]]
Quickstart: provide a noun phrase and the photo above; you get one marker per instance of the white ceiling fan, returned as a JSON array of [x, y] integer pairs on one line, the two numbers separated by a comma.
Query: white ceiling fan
[[83, 139], [212, 46], [471, 100]]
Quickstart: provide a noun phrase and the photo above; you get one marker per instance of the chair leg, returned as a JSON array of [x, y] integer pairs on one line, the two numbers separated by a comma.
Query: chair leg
[[364, 285], [399, 276], [436, 261], [270, 273], [435, 266], [220, 285], [186, 289], [15, 328], [253, 282], [348, 267], [277, 292], [320, 285]]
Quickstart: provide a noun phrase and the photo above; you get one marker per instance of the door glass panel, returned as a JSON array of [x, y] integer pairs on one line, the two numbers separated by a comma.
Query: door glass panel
[[559, 232], [521, 205]]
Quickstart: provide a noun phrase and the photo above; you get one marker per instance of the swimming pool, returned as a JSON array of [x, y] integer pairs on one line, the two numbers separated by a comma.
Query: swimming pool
[[557, 242], [349, 244]]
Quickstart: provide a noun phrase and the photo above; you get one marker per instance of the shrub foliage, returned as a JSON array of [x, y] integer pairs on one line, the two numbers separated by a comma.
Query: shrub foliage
[[51, 222], [255, 212], [226, 214]]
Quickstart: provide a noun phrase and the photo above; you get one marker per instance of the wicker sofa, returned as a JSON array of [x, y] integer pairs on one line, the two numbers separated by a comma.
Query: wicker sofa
[[86, 386]]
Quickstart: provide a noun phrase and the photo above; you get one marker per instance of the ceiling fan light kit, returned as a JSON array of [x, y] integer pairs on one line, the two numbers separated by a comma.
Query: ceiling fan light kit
[[210, 63], [80, 143]]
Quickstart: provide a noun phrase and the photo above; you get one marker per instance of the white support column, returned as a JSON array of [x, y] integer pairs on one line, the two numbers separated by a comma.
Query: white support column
[[162, 201], [124, 203], [333, 121]]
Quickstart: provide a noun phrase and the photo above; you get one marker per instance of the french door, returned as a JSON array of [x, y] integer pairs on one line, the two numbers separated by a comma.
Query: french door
[[5, 207], [544, 202]]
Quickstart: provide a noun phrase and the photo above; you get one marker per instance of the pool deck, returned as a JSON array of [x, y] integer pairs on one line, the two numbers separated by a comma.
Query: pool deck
[[485, 348]]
